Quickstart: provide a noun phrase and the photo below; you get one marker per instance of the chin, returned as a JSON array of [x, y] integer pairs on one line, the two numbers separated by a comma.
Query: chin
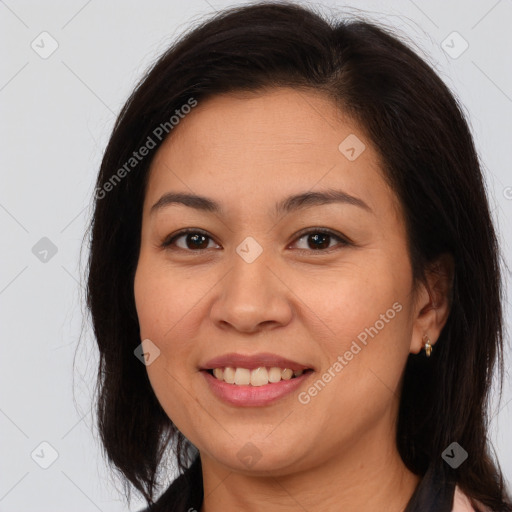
[[258, 458]]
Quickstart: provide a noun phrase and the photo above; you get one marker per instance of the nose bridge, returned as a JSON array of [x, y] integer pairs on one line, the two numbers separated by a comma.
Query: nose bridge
[[251, 294]]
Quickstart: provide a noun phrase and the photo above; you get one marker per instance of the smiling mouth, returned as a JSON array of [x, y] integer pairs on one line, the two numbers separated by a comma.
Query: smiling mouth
[[255, 377]]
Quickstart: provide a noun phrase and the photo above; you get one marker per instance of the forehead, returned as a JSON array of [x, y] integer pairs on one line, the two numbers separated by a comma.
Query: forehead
[[250, 146], [283, 120]]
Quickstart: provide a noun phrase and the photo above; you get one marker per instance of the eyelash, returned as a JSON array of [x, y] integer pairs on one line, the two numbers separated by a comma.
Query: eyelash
[[343, 241]]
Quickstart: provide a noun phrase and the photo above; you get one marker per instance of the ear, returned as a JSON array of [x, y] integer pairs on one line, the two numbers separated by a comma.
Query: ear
[[433, 302]]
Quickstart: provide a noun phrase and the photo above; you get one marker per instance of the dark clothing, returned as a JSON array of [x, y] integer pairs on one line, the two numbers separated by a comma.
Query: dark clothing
[[185, 494]]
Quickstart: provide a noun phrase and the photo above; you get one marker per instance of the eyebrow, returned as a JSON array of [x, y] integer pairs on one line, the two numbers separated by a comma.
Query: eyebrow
[[292, 203]]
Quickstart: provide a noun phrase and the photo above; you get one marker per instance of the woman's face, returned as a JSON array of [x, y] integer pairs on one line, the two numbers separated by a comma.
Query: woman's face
[[261, 276]]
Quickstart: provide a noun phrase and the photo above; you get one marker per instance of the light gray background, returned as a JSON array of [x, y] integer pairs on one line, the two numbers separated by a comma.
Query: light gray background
[[56, 116]]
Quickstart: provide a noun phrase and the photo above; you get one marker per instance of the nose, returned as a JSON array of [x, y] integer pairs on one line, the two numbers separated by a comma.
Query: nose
[[252, 297]]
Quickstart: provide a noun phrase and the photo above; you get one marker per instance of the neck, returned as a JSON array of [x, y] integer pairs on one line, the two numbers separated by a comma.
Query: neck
[[370, 476]]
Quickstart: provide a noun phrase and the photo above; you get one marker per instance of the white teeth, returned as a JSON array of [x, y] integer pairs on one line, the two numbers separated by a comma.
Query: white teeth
[[242, 376], [274, 374], [229, 375], [259, 376], [286, 374], [256, 377]]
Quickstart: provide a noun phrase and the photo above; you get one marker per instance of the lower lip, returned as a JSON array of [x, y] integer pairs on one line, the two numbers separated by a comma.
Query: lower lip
[[253, 396]]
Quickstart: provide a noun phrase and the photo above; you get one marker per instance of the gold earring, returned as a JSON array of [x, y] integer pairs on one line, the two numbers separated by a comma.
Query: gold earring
[[427, 346]]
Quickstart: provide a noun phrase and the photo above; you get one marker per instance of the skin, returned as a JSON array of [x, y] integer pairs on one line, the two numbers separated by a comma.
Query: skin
[[248, 152]]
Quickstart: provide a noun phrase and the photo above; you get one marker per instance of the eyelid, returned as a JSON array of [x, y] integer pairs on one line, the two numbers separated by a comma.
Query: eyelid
[[173, 237], [342, 239]]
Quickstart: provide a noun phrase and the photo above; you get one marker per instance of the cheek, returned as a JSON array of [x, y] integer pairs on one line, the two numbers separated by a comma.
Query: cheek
[[366, 350], [168, 305], [162, 307], [361, 296], [162, 300], [366, 322]]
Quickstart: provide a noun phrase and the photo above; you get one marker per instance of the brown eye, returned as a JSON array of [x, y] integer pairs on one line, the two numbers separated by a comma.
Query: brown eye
[[191, 240], [321, 240], [316, 240]]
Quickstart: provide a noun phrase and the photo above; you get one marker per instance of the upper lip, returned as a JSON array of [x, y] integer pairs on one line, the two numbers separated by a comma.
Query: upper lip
[[250, 362]]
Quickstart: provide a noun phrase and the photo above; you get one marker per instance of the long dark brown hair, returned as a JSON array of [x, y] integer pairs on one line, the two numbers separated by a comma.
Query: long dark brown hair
[[429, 158]]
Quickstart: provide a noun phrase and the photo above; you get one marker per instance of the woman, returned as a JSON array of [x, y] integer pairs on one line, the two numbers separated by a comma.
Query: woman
[[294, 278]]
